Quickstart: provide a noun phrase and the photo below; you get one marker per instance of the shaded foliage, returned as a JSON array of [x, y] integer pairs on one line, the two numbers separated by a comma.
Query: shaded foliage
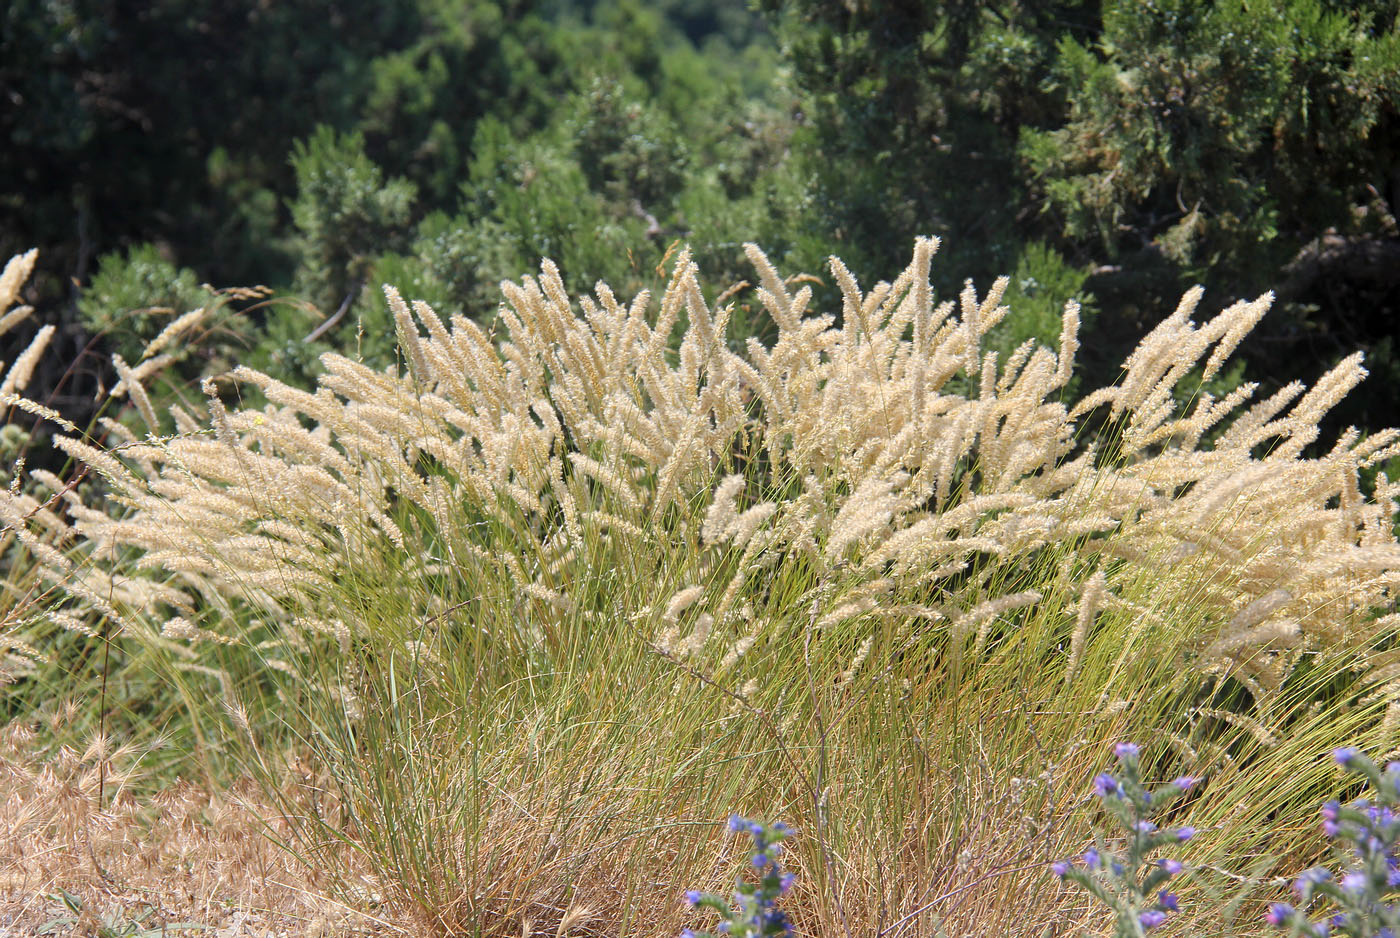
[[1112, 152], [1147, 146]]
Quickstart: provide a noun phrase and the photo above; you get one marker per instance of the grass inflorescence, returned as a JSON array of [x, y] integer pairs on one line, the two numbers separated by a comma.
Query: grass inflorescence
[[543, 604]]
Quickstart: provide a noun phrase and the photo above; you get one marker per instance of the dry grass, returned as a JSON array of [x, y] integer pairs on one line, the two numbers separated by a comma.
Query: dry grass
[[178, 854], [545, 607], [547, 864]]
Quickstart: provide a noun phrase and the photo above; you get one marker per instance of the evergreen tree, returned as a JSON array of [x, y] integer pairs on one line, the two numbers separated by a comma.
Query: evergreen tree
[[1125, 150]]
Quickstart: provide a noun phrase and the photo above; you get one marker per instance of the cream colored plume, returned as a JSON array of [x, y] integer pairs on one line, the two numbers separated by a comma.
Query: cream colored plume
[[881, 441]]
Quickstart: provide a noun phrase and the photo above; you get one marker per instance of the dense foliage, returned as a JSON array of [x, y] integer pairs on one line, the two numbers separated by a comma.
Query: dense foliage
[[440, 144], [1139, 147], [1116, 153]]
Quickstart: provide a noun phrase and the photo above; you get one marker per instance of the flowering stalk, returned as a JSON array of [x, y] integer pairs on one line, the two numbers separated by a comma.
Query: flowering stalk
[[754, 912], [1364, 836], [1133, 885]]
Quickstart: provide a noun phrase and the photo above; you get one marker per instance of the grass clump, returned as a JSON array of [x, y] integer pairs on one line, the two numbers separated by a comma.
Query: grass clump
[[545, 605]]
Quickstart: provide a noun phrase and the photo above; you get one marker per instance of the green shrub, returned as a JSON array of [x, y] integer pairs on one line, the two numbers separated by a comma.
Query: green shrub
[[134, 295]]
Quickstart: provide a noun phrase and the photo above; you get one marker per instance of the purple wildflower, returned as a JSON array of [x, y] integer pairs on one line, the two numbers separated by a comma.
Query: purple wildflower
[[1145, 827], [1184, 834], [1106, 785], [1311, 878], [1354, 882], [1345, 755], [1168, 901], [1171, 866], [1091, 859], [1186, 782], [693, 896], [1279, 913], [1126, 751], [1060, 868], [1152, 918]]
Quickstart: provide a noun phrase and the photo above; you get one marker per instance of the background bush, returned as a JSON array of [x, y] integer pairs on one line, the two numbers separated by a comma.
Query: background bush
[[1114, 152]]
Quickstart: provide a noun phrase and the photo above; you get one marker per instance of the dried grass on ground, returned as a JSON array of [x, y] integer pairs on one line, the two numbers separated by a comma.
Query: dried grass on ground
[[181, 855]]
